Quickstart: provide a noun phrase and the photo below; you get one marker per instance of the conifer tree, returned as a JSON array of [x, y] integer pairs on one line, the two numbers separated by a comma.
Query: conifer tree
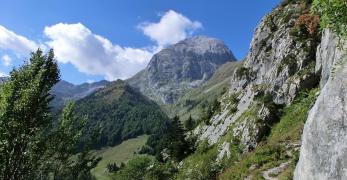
[[189, 123], [178, 145]]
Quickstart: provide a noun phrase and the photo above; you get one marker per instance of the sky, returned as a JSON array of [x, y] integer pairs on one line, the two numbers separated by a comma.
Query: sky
[[114, 39]]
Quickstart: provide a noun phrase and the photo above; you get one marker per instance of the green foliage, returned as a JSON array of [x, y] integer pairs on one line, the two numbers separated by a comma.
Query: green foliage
[[189, 124], [210, 109], [233, 101], [333, 15], [118, 112], [201, 164], [243, 71], [286, 2], [112, 167], [178, 147], [288, 61], [144, 168], [24, 115], [117, 154], [30, 147], [61, 159]]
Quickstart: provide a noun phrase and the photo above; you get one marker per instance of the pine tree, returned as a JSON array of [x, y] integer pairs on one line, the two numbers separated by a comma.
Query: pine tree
[[189, 123], [178, 145]]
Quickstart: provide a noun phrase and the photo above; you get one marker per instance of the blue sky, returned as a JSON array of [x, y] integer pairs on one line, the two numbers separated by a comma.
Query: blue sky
[[102, 39]]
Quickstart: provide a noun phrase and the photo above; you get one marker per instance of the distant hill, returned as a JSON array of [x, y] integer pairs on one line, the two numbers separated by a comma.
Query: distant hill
[[65, 91], [118, 112]]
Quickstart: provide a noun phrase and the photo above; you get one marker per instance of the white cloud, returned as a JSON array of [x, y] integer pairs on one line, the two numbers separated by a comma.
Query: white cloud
[[94, 54], [17, 43], [171, 28], [6, 60]]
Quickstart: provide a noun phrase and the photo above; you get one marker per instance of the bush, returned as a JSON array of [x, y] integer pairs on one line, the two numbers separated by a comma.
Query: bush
[[201, 164], [112, 167], [309, 22], [242, 71], [143, 167], [333, 15]]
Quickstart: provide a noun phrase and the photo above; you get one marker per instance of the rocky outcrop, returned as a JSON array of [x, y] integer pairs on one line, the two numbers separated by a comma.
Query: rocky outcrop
[[281, 62], [327, 53], [323, 153], [181, 67]]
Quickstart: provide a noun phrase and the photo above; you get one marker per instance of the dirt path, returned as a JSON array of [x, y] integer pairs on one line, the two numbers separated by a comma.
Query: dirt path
[[275, 171]]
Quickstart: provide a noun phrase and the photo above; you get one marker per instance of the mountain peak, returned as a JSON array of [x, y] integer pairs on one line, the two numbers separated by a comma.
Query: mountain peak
[[202, 44], [180, 67]]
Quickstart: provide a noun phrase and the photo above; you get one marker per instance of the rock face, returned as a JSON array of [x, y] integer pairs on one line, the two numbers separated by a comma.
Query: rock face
[[328, 53], [177, 69], [323, 153], [279, 65]]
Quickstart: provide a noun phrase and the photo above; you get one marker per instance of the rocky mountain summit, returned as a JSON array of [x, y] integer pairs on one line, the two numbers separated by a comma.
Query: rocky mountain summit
[[175, 70]]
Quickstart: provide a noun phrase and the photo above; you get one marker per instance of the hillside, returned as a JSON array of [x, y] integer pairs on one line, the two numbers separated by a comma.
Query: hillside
[[118, 112], [117, 154]]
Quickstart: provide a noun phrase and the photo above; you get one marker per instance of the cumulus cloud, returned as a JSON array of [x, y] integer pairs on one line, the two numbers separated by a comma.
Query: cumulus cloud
[[6, 60], [94, 54], [171, 28], [17, 43]]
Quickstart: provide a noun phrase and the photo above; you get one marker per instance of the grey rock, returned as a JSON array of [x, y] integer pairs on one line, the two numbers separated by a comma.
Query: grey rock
[[181, 67], [323, 153], [327, 53], [277, 63]]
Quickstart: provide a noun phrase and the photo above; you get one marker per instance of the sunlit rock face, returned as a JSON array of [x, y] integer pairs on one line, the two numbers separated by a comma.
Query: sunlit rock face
[[181, 67], [280, 64], [323, 153]]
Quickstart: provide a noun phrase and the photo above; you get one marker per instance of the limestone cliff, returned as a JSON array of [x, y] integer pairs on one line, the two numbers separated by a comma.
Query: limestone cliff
[[280, 64], [323, 153]]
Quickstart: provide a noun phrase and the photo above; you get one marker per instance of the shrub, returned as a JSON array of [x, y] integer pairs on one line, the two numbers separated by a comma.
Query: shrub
[[243, 71], [333, 15], [201, 164], [112, 167], [309, 22], [143, 167]]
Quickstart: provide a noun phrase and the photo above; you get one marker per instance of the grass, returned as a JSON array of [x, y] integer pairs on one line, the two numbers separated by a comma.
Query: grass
[[117, 154], [273, 151], [200, 164]]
